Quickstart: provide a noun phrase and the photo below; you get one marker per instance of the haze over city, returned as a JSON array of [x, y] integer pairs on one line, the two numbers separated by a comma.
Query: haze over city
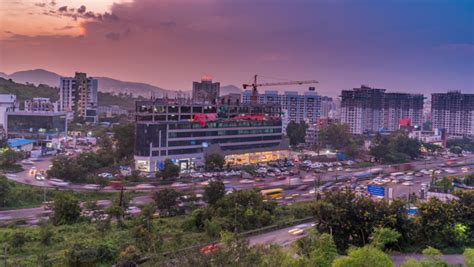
[[410, 46]]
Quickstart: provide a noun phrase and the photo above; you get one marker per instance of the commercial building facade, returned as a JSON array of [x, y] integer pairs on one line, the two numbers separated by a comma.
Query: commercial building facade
[[78, 97], [454, 112], [186, 132], [37, 125]]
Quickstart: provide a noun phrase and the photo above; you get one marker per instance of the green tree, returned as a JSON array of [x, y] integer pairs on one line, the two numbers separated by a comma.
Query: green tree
[[9, 158], [437, 224], [396, 148], [432, 258], [323, 251], [214, 162], [383, 236], [67, 169], [296, 132], [5, 191], [469, 257], [362, 257], [336, 136], [124, 136], [455, 150], [66, 209], [45, 234], [18, 239], [169, 171], [166, 201], [214, 191]]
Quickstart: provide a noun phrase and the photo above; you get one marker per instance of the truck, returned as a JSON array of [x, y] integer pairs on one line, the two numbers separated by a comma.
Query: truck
[[362, 175]]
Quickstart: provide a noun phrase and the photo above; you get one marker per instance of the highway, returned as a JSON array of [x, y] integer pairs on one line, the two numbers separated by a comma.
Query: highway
[[399, 190], [282, 238]]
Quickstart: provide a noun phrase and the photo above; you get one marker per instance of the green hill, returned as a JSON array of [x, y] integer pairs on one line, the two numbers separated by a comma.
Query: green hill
[[28, 91]]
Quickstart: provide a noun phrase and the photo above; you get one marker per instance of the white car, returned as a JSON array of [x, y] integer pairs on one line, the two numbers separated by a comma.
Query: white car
[[27, 162], [40, 177], [133, 211], [408, 183], [91, 186], [144, 186], [178, 184], [58, 182], [246, 181]]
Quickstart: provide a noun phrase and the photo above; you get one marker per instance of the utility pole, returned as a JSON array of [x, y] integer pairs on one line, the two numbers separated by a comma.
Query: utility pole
[[5, 255]]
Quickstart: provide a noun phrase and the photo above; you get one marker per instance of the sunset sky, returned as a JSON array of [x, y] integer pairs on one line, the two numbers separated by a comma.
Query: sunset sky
[[401, 45]]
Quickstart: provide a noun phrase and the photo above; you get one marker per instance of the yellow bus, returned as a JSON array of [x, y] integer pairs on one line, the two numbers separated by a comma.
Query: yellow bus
[[272, 193]]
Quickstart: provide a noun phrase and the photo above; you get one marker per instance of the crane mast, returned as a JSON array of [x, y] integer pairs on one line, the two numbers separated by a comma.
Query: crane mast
[[255, 86]]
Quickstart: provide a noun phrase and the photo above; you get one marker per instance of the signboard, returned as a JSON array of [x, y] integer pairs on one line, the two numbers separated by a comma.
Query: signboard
[[376, 190]]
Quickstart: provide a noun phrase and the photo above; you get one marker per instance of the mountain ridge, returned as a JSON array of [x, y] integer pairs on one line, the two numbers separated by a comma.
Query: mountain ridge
[[106, 84]]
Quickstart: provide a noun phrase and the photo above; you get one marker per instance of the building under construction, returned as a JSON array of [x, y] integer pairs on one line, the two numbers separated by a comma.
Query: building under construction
[[368, 109], [185, 132], [454, 112]]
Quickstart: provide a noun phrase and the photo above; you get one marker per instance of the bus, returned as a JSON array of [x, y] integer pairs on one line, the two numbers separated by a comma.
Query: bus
[[272, 193]]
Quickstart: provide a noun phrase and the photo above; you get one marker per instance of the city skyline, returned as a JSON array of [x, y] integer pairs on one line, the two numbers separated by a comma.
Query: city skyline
[[404, 47]]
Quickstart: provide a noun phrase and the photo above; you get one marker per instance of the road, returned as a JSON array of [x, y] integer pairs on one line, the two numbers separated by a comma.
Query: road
[[32, 215], [283, 238], [27, 177]]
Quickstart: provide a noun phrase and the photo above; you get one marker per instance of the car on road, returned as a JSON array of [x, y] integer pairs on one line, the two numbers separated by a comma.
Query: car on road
[[296, 231], [407, 183], [58, 182], [144, 186], [91, 186], [133, 211], [40, 176], [246, 181], [178, 184], [27, 162]]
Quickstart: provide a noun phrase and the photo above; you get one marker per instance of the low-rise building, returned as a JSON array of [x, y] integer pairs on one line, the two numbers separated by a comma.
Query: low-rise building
[[39, 126]]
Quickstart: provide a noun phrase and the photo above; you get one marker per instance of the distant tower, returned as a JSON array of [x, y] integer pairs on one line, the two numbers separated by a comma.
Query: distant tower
[[206, 92]]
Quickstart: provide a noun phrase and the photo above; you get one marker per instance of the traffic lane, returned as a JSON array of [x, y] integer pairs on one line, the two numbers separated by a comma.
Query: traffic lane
[[27, 176], [279, 237], [23, 213]]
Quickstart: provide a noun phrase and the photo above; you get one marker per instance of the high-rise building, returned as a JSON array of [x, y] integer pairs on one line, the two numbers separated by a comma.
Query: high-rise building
[[297, 107], [368, 109], [362, 109], [399, 106], [454, 112], [78, 97], [329, 108], [206, 92]]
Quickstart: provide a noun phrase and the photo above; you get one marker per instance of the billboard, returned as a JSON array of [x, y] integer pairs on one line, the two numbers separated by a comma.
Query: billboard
[[376, 190]]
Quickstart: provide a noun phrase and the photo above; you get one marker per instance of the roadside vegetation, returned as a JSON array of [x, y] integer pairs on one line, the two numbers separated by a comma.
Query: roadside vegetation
[[112, 152], [358, 228]]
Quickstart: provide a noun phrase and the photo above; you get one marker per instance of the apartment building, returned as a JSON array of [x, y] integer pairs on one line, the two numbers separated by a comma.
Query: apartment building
[[78, 97], [362, 109], [399, 106], [367, 109], [454, 112], [295, 106], [41, 104]]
